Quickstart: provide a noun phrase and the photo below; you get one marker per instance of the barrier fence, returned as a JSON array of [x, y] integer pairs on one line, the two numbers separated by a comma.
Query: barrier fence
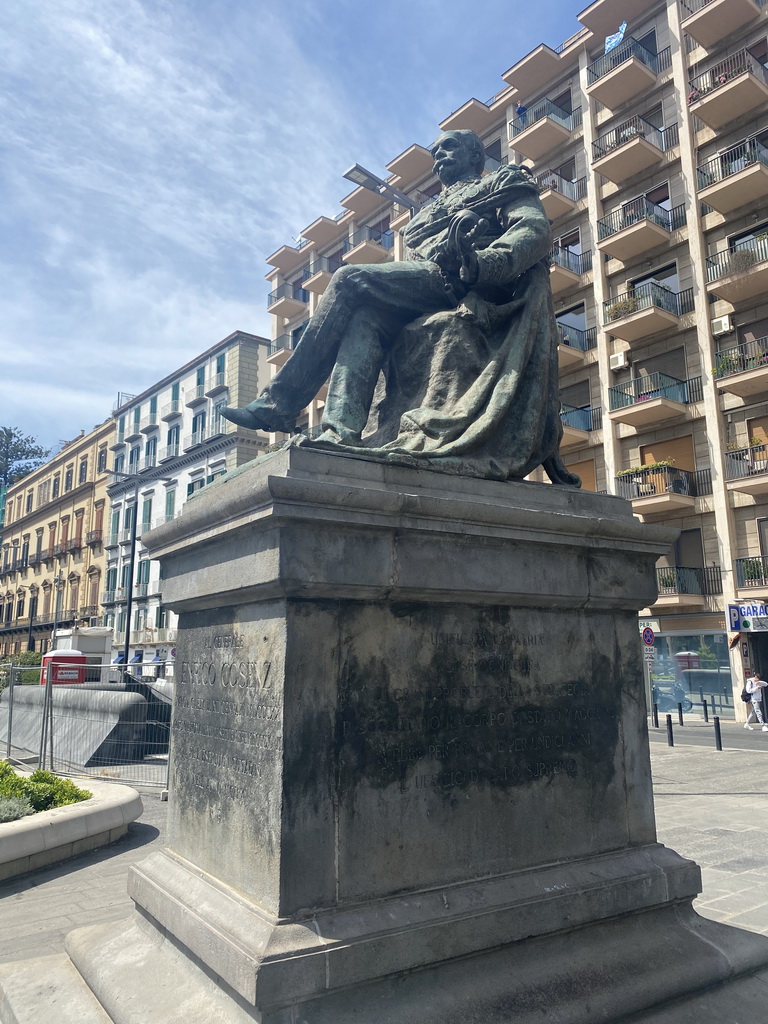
[[111, 726]]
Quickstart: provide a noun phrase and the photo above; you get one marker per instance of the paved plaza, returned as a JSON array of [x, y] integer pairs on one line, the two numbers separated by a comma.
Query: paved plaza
[[710, 806]]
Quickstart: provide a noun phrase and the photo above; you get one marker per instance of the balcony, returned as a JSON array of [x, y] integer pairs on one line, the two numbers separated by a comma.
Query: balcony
[[133, 431], [118, 443], [578, 423], [36, 557], [743, 369], [710, 21], [645, 310], [171, 410], [288, 300], [630, 148], [195, 439], [573, 346], [141, 590], [74, 544], [165, 635], [108, 597], [751, 573], [280, 349], [162, 520], [195, 395], [567, 268], [741, 272], [112, 540], [660, 489], [684, 586], [369, 245], [60, 549], [653, 399], [148, 463], [746, 469], [637, 227], [738, 177], [149, 423], [542, 128], [729, 90], [93, 537], [559, 196], [89, 611], [622, 74], [170, 451], [319, 274], [125, 536], [216, 384]]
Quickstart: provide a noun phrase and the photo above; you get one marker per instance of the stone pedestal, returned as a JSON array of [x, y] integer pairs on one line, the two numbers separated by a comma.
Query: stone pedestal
[[410, 772]]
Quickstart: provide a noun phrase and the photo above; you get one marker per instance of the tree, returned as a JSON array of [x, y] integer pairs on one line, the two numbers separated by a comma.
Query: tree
[[19, 455]]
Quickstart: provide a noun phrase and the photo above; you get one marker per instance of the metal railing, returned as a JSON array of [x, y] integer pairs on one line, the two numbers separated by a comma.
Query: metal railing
[[194, 439], [685, 579], [638, 210], [751, 571], [692, 6], [171, 409], [574, 190], [94, 536], [738, 259], [284, 341], [287, 291], [568, 119], [575, 338], [321, 265], [654, 385], [578, 262], [169, 452], [750, 355], [149, 421], [635, 127], [588, 417], [733, 160], [112, 540], [644, 296], [741, 462], [218, 381], [626, 50], [385, 238], [646, 482], [725, 71]]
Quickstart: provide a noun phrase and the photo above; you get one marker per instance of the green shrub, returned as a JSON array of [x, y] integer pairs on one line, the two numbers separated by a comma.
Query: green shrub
[[42, 789], [14, 807]]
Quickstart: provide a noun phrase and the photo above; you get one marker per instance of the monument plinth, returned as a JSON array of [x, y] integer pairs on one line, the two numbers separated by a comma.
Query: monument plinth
[[410, 772]]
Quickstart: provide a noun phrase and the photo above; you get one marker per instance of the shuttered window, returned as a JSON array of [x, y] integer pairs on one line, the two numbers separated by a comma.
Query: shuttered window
[[679, 450]]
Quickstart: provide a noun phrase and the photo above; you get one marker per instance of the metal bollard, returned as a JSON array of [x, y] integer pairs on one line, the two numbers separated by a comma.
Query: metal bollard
[[656, 716], [718, 737], [701, 695], [670, 737], [714, 703], [680, 713], [706, 710]]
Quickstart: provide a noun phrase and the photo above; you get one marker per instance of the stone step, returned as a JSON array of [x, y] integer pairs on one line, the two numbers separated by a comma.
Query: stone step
[[44, 990]]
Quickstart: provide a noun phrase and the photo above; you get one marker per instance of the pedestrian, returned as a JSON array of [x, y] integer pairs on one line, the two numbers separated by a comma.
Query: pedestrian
[[754, 687], [522, 115]]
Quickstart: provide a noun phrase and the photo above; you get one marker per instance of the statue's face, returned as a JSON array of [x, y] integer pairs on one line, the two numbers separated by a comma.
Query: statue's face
[[454, 158]]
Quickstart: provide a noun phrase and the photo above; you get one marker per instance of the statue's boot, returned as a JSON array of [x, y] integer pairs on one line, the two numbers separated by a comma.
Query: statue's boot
[[258, 416]]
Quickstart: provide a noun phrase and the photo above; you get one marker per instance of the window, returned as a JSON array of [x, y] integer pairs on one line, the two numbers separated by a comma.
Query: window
[[567, 170], [195, 485], [133, 460], [56, 486], [25, 553], [43, 492], [175, 392], [161, 617], [576, 396], [128, 517], [665, 276], [660, 196], [146, 513], [655, 116], [570, 241], [64, 535], [563, 100], [200, 377], [82, 473], [170, 503], [296, 333], [101, 464], [198, 426], [221, 363], [150, 452], [68, 477], [136, 418], [125, 576], [121, 429], [218, 422], [649, 41], [153, 405], [142, 572], [172, 440], [115, 521], [111, 583], [28, 503], [576, 317], [119, 463]]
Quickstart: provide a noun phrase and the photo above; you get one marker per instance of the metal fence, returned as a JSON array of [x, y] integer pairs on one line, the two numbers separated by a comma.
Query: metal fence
[[111, 725]]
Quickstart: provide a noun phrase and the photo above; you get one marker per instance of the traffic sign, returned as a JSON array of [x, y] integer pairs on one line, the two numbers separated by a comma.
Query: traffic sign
[[649, 654], [648, 636]]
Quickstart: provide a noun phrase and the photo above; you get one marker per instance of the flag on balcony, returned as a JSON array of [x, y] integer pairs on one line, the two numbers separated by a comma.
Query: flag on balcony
[[611, 42]]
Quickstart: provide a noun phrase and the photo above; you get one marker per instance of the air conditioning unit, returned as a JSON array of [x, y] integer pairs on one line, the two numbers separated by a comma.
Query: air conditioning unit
[[721, 325], [618, 361]]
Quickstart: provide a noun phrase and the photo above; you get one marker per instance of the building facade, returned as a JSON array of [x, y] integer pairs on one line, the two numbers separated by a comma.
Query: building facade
[[53, 557], [170, 441], [651, 155]]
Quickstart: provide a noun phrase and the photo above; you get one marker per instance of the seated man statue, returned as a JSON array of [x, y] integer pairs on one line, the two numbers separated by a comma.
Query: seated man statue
[[447, 359]]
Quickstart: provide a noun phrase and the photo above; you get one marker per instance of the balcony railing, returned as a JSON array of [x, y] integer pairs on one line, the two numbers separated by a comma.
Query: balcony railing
[[194, 439], [625, 51], [644, 482], [638, 210], [586, 418], [141, 590], [93, 537], [683, 579], [60, 548], [574, 190], [545, 108], [321, 265], [751, 355], [738, 259], [655, 385], [112, 540], [752, 571], [108, 597], [171, 409], [74, 543], [149, 421], [692, 6], [169, 452], [148, 463], [578, 262], [635, 127], [218, 382], [287, 291], [386, 238], [644, 296], [733, 160], [741, 462], [575, 338], [284, 341], [724, 72]]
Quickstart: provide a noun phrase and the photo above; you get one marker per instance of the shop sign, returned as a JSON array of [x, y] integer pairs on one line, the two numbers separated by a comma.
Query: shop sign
[[748, 618], [649, 624]]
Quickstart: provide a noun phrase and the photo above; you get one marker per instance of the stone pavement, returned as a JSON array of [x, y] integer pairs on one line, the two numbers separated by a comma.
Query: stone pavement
[[710, 806]]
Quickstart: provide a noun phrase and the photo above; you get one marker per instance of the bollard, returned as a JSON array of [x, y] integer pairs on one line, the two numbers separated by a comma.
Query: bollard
[[701, 695], [714, 703], [656, 716], [706, 710], [670, 737], [680, 713], [718, 737]]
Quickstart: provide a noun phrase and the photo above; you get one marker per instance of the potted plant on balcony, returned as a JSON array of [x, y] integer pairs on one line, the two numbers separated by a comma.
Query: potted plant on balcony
[[752, 571], [622, 307], [667, 579], [739, 261]]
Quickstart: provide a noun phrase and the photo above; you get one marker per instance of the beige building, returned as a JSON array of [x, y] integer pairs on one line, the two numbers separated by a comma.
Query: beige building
[[53, 556], [652, 160]]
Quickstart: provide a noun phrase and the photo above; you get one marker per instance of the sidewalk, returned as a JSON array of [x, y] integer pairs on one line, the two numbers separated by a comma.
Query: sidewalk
[[710, 806]]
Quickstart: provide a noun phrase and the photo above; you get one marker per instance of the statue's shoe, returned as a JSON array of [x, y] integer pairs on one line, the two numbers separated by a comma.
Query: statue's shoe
[[255, 418]]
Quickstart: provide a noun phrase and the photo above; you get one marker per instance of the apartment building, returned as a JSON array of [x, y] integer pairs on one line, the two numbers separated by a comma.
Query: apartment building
[[53, 557], [172, 441], [651, 154]]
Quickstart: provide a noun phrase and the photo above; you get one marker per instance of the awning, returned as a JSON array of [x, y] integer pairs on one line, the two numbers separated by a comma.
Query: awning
[[156, 659], [119, 659], [135, 658]]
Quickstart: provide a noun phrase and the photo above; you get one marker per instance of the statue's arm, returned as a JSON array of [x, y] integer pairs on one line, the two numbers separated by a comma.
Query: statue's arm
[[526, 240]]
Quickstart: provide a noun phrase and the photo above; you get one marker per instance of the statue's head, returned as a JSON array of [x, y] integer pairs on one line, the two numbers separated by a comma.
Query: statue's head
[[457, 154]]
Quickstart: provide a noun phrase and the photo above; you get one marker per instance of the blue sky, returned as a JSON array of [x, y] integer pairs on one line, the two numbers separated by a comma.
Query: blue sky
[[152, 154]]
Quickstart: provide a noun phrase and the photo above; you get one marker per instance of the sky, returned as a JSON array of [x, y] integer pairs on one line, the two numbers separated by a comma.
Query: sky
[[153, 154]]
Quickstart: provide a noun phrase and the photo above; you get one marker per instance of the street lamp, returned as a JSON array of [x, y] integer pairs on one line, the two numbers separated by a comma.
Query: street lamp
[[358, 175]]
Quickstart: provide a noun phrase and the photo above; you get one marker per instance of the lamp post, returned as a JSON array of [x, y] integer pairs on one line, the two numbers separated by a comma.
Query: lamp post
[[359, 175]]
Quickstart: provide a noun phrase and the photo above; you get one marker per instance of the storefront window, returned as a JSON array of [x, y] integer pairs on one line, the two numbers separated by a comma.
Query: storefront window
[[693, 668]]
